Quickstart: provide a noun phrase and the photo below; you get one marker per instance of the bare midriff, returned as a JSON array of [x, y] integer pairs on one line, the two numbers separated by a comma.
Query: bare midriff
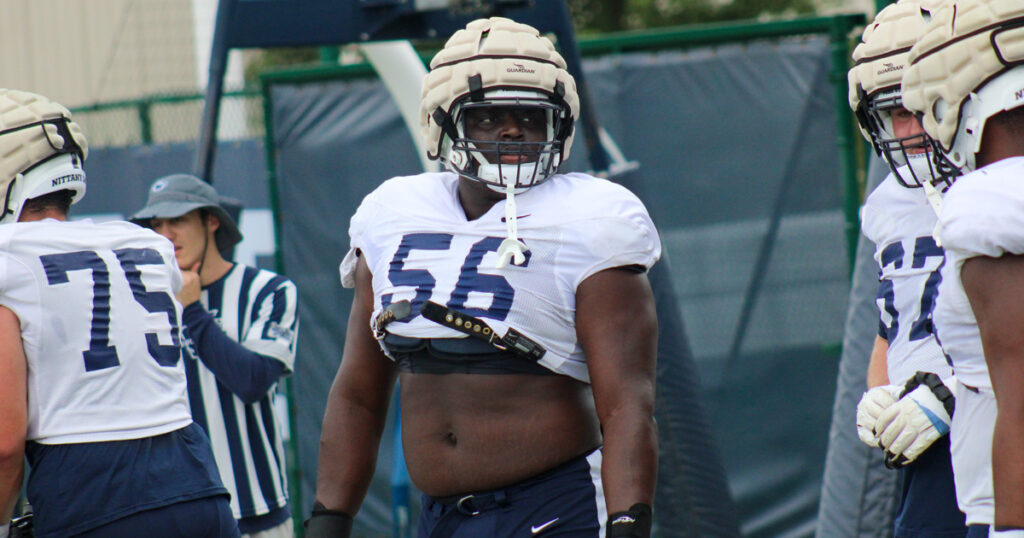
[[466, 433]]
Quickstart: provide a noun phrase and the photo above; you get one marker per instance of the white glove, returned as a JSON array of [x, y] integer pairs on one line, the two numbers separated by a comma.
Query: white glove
[[1013, 533], [872, 404], [912, 425]]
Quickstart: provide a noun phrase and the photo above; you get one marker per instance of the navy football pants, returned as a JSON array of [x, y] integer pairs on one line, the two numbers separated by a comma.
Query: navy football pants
[[567, 501], [928, 508]]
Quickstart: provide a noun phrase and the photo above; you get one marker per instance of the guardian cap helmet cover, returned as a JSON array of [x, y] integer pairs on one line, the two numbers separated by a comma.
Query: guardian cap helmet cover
[[497, 62], [879, 63], [42, 151], [968, 67]]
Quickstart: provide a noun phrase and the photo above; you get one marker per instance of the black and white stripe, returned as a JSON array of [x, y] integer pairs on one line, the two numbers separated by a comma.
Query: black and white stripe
[[258, 309]]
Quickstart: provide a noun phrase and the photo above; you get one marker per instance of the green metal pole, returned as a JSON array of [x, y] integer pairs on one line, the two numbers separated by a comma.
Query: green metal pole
[[709, 34], [840, 47], [145, 122], [292, 449]]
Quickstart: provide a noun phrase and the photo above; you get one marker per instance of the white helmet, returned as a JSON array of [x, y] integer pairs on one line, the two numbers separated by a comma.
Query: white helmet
[[968, 67], [879, 62], [41, 151], [497, 62]]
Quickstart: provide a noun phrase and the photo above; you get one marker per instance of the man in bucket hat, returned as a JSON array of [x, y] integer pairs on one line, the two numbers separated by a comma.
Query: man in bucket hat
[[176, 195], [243, 323]]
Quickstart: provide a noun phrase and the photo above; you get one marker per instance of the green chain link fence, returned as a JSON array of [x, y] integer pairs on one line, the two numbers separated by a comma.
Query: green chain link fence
[[166, 119]]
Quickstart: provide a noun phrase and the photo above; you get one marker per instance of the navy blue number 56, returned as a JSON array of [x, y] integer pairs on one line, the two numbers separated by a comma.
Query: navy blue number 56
[[470, 278], [101, 353]]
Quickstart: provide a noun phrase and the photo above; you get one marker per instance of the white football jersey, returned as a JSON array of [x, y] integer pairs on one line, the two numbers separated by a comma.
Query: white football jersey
[[419, 246], [100, 329], [900, 222], [982, 215]]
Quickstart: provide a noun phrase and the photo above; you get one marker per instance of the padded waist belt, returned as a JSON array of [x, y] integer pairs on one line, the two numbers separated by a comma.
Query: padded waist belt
[[456, 356]]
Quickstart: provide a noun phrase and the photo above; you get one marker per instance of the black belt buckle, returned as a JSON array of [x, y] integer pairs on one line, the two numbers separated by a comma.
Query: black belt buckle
[[465, 506], [522, 345]]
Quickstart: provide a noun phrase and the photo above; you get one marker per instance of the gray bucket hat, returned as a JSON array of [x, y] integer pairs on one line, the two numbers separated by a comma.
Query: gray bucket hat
[[177, 194]]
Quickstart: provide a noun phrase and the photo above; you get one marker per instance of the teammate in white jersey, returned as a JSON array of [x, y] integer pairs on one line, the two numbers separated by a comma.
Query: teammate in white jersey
[[512, 303], [974, 112], [90, 354], [243, 324], [900, 412]]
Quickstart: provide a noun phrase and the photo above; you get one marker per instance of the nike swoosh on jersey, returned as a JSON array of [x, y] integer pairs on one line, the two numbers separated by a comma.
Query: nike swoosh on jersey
[[534, 529]]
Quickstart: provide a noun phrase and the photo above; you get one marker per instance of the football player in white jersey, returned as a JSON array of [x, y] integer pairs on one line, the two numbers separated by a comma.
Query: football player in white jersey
[[94, 388], [966, 81], [243, 325], [900, 412], [512, 303]]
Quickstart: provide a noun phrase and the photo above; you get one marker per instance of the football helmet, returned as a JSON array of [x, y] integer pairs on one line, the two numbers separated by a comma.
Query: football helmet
[[497, 62], [968, 67], [879, 62], [41, 151]]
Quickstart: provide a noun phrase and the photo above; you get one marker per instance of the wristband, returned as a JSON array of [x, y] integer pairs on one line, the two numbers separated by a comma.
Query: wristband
[[935, 384], [1006, 531], [5, 529], [328, 523], [633, 523]]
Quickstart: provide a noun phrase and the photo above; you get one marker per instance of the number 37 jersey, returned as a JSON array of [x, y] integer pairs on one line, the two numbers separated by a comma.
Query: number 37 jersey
[[900, 223], [419, 246], [100, 329]]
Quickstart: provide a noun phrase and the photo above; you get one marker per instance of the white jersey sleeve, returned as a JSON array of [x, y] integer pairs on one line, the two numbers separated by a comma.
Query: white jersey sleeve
[[890, 209], [419, 246], [100, 328], [900, 222], [983, 215]]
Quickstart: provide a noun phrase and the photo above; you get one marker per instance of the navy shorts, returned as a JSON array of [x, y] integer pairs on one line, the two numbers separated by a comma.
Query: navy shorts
[[928, 508], [567, 501], [209, 517], [74, 488]]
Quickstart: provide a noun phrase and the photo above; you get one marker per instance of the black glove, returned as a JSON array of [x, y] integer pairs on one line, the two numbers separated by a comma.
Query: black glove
[[633, 523], [21, 527], [326, 523]]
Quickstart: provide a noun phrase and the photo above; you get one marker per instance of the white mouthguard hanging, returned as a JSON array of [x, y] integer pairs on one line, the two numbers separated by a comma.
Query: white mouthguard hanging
[[511, 248]]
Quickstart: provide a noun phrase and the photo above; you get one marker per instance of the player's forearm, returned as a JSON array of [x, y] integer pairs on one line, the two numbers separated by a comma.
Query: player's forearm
[[247, 374], [1008, 460], [12, 469], [629, 467], [348, 454], [878, 373]]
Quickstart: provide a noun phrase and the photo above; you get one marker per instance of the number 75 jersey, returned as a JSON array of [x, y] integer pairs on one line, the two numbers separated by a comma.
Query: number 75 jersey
[[419, 246], [100, 329]]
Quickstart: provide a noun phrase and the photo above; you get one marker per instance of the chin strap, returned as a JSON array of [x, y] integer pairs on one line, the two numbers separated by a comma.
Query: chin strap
[[935, 200], [511, 248]]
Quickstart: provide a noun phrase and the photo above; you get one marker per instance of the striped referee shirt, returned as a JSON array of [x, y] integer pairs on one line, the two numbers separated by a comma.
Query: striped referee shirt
[[232, 387]]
